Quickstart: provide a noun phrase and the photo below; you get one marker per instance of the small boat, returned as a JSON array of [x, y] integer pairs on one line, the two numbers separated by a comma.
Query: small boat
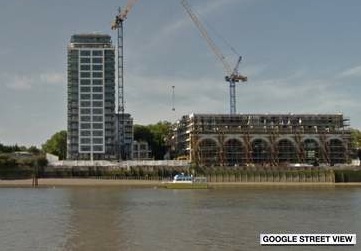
[[182, 181]]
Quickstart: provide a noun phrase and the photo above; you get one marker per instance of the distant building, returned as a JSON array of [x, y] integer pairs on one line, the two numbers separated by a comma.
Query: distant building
[[91, 97], [263, 139], [124, 136], [22, 154], [141, 150]]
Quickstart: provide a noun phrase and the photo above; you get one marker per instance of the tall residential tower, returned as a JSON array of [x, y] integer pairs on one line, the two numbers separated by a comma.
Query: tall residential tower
[[91, 97]]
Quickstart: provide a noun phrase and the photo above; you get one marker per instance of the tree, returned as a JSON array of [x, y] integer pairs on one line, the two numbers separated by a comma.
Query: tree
[[56, 145], [356, 142], [160, 133], [155, 135], [34, 150], [10, 149], [142, 133], [356, 138]]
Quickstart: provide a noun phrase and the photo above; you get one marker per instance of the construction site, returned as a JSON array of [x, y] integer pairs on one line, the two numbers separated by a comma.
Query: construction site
[[257, 139], [231, 139], [262, 139]]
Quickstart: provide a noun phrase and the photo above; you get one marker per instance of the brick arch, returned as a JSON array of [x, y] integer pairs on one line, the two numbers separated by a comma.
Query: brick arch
[[287, 150], [312, 150], [336, 150], [234, 150], [260, 150], [208, 149], [292, 140], [261, 138], [334, 137], [230, 137], [208, 137], [312, 138]]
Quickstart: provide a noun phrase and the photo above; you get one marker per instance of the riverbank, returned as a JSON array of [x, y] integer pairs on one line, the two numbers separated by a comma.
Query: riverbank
[[76, 182], [65, 182]]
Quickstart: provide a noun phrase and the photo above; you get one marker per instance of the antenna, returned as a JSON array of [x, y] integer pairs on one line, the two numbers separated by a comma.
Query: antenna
[[173, 97]]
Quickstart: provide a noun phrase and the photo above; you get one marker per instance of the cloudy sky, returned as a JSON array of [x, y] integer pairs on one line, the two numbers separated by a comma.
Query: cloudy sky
[[299, 56]]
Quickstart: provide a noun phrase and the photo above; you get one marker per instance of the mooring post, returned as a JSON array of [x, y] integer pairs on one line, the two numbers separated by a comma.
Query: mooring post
[[35, 175]]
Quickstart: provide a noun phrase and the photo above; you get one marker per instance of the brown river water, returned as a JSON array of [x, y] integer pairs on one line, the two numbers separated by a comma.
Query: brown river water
[[120, 218]]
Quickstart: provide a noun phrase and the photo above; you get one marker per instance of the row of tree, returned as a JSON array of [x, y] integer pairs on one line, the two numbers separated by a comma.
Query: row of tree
[[154, 134], [16, 148], [17, 166]]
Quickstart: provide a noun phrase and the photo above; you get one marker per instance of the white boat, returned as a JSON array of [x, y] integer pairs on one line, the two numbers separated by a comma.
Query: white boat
[[181, 178], [187, 181]]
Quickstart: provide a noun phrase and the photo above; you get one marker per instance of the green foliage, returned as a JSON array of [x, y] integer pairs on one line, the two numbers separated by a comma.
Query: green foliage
[[142, 133], [56, 144], [356, 143], [156, 135], [356, 138], [42, 161], [16, 148], [7, 161], [12, 167], [34, 150], [9, 149]]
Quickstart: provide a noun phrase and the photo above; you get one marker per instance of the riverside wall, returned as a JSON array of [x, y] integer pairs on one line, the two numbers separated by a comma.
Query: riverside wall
[[213, 174]]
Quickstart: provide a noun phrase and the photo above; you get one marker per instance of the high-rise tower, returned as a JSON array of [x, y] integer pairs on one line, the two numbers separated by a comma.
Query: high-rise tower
[[91, 97]]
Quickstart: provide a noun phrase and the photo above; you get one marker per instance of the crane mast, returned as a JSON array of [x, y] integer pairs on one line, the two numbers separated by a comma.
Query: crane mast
[[232, 76], [118, 25]]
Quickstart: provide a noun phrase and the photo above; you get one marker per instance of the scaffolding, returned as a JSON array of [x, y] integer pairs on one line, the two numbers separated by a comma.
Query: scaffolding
[[263, 139]]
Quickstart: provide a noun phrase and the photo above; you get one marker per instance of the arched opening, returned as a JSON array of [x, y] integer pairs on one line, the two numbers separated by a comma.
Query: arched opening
[[260, 151], [208, 151], [336, 152], [234, 152], [311, 150], [286, 151]]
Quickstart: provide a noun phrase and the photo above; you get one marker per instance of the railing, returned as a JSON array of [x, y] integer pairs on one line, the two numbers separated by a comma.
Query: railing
[[129, 163]]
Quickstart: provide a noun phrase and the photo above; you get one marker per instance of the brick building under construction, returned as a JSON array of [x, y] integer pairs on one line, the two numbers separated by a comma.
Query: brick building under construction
[[262, 139]]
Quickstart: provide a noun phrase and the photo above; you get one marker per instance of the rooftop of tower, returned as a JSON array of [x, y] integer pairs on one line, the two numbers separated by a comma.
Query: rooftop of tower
[[90, 38]]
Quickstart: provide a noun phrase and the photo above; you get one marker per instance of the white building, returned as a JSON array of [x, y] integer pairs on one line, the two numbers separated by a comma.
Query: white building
[[91, 97]]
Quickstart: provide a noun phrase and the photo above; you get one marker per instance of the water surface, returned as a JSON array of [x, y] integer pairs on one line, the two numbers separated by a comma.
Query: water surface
[[118, 218]]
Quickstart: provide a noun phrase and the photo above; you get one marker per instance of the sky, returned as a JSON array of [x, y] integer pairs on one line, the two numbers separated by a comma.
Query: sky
[[299, 57]]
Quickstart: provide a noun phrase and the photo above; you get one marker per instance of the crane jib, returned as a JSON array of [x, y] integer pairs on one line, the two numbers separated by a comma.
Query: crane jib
[[232, 75]]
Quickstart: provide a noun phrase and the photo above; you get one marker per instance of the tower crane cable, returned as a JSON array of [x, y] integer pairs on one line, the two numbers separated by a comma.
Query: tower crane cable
[[215, 32], [205, 35], [232, 74]]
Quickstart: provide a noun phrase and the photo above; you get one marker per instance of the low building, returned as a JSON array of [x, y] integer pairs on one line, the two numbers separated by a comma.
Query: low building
[[263, 139], [124, 136], [141, 150]]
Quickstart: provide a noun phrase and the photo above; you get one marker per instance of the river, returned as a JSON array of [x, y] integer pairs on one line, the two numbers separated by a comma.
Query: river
[[118, 218]]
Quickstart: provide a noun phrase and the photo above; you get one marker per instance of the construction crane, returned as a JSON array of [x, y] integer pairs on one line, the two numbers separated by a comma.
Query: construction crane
[[118, 25], [232, 76]]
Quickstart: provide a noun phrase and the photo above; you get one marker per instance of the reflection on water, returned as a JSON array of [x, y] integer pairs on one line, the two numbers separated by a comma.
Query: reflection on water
[[94, 219], [159, 219], [32, 219]]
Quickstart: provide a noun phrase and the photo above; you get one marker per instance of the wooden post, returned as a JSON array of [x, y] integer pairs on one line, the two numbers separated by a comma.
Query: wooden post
[[35, 175]]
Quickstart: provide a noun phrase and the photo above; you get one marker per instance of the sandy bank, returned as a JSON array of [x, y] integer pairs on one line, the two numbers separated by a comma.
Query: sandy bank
[[78, 182]]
